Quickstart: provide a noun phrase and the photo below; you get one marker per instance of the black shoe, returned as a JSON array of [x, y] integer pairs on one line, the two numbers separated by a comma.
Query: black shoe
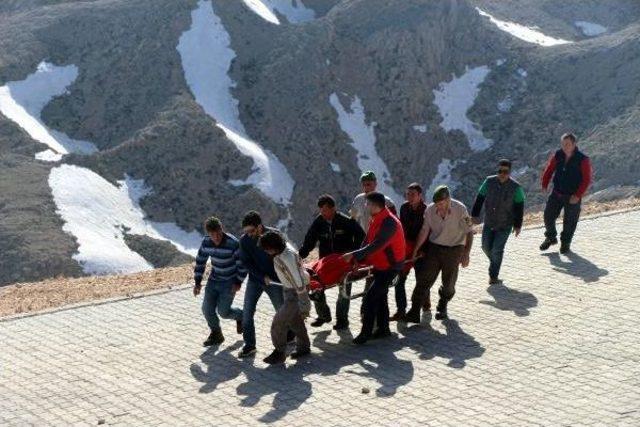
[[275, 358], [215, 338], [398, 317], [291, 337], [360, 339], [548, 242], [239, 328], [319, 322], [300, 353], [565, 248], [381, 333], [247, 352], [341, 326], [441, 311], [412, 316], [494, 281]]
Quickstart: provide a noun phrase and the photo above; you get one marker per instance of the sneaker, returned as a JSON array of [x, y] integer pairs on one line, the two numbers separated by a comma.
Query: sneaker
[[441, 312], [300, 353], [381, 333], [565, 248], [215, 338], [291, 337], [427, 304], [412, 316], [360, 339], [341, 326], [548, 242], [398, 317], [246, 352], [319, 322], [276, 357], [239, 328]]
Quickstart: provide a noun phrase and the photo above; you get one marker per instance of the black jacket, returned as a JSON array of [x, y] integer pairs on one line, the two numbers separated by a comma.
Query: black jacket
[[256, 260], [341, 235]]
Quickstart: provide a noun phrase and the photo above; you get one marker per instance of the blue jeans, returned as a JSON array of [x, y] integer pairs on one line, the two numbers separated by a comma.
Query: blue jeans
[[493, 242], [251, 296], [218, 296]]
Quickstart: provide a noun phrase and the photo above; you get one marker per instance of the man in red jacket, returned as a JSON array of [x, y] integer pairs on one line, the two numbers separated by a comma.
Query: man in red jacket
[[571, 172], [384, 250]]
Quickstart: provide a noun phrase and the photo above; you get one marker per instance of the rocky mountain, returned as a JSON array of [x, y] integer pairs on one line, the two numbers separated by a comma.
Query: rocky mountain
[[124, 123]]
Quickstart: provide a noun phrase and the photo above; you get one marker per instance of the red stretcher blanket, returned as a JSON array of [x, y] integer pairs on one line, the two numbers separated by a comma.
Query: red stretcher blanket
[[328, 271]]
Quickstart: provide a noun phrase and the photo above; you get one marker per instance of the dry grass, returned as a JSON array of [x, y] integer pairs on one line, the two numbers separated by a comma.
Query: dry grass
[[48, 294]]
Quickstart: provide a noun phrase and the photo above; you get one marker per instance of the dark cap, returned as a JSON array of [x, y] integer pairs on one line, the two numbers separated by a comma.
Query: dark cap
[[368, 176], [441, 192]]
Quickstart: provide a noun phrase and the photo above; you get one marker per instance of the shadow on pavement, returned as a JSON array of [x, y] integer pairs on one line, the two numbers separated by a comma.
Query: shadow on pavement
[[577, 266], [455, 344], [376, 360], [509, 299]]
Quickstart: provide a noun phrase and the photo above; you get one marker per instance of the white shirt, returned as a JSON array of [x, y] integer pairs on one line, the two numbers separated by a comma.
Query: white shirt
[[290, 271]]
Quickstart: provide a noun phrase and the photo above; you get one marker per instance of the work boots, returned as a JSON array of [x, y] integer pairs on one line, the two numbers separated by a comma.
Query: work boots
[[215, 338], [441, 311], [548, 242], [276, 357]]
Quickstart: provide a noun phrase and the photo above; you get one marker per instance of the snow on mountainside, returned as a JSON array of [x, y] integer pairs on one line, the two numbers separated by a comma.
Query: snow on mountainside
[[294, 10], [206, 59], [23, 101], [363, 138], [99, 214], [95, 212], [522, 32], [455, 98]]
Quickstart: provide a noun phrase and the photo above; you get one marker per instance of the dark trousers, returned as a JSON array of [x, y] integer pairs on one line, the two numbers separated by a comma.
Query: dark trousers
[[493, 242], [555, 203], [438, 259], [288, 317], [342, 307], [401, 291], [375, 303]]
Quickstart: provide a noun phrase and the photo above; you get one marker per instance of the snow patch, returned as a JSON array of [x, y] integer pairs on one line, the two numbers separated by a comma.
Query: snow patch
[[363, 140], [420, 128], [443, 177], [294, 10], [522, 72], [520, 171], [98, 213], [505, 105], [522, 32], [335, 167], [590, 29], [206, 59], [455, 98], [500, 62], [23, 101]]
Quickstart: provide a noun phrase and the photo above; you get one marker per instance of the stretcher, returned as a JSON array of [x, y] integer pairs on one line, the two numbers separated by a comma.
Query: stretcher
[[333, 271]]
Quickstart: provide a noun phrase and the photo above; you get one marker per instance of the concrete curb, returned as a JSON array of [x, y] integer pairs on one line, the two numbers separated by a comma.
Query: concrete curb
[[184, 287]]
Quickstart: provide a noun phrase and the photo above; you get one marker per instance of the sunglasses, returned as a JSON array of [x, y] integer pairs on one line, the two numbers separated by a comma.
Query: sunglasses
[[503, 171]]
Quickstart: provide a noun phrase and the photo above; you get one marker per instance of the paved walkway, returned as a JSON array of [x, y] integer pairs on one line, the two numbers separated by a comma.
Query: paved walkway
[[557, 344]]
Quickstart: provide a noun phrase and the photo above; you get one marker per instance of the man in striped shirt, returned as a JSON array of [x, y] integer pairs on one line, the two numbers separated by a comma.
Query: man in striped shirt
[[225, 279]]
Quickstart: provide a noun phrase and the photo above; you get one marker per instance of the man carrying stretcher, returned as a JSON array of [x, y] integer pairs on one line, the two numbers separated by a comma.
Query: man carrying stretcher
[[384, 250]]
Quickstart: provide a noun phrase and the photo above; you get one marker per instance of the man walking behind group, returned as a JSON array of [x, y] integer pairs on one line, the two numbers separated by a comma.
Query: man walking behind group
[[571, 172], [384, 250], [335, 233], [411, 218], [225, 279], [447, 226], [503, 200], [260, 267]]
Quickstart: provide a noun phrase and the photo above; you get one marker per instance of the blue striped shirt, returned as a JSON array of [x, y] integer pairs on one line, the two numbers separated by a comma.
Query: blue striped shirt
[[226, 265]]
